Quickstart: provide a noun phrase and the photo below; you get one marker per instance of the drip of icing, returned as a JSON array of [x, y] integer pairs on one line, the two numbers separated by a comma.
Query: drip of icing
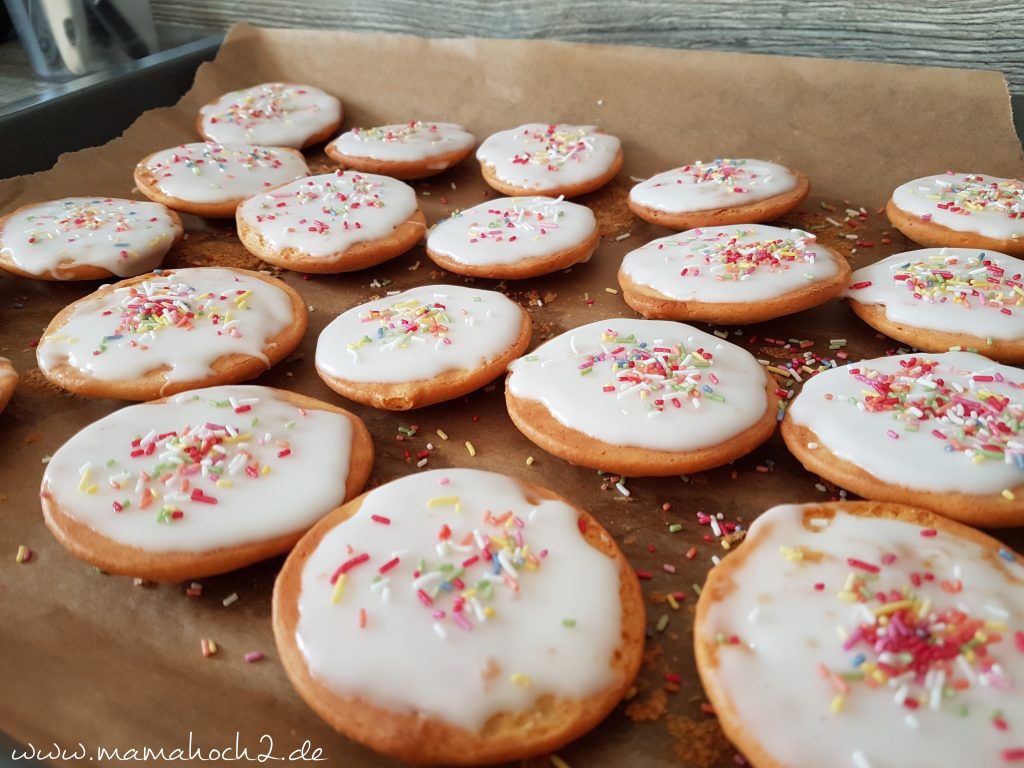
[[419, 334], [539, 156], [327, 214], [405, 142], [271, 114], [947, 422], [721, 183], [459, 566], [903, 651], [209, 468], [125, 237], [966, 202], [207, 172], [644, 383], [512, 229], [959, 290], [185, 320], [750, 262]]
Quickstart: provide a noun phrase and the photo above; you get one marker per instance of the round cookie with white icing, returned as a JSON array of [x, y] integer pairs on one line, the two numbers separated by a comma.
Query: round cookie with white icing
[[532, 619], [159, 334], [514, 237], [8, 382], [203, 482], [335, 222], [718, 192], [733, 274], [87, 238], [208, 179], [642, 398], [413, 150], [421, 346], [551, 160], [891, 635], [937, 299], [941, 432], [961, 210], [271, 115]]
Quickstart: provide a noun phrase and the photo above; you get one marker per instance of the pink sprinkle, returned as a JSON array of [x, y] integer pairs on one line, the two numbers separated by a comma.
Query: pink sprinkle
[[820, 586], [893, 434], [855, 563], [888, 559], [443, 481], [929, 533], [669, 568], [424, 597], [381, 519], [1018, 640], [253, 656], [388, 565], [1014, 755]]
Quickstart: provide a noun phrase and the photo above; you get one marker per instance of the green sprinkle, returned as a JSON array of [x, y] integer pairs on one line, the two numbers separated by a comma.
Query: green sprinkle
[[675, 528], [662, 623], [569, 623]]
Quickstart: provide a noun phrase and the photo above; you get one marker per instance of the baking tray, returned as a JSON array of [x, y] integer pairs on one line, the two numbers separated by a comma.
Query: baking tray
[[92, 658]]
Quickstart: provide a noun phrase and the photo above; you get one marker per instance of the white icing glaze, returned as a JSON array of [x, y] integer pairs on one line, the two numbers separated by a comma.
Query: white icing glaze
[[966, 202], [509, 230], [786, 628], [405, 142], [125, 237], [543, 156], [327, 214], [228, 466], [206, 172], [477, 665], [958, 290], [701, 403], [720, 183], [419, 334], [747, 262], [270, 114], [136, 329], [896, 442]]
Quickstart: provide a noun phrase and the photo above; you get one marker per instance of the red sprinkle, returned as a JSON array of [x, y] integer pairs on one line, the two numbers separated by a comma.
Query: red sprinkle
[[348, 565], [929, 532], [855, 563], [381, 519], [388, 565]]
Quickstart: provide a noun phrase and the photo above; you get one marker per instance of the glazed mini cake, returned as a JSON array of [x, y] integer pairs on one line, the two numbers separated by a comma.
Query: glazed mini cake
[[938, 431], [413, 150], [8, 382], [734, 274], [961, 210], [514, 237], [208, 179], [531, 619], [203, 482], [549, 159], [87, 238], [271, 115], [719, 192], [163, 333], [421, 346], [892, 636], [334, 222], [937, 299], [641, 397]]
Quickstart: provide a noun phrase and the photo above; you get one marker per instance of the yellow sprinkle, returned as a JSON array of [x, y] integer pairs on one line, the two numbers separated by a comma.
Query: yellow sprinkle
[[880, 676], [969, 656], [339, 588], [240, 299], [980, 636], [438, 501], [469, 593], [470, 448], [925, 608], [847, 597], [837, 704], [529, 461], [520, 679], [442, 434], [793, 555], [91, 488], [224, 483], [780, 371], [557, 761], [670, 598], [1008, 495], [85, 481], [265, 470], [996, 626], [611, 290], [887, 608], [489, 612], [22, 555], [240, 438]]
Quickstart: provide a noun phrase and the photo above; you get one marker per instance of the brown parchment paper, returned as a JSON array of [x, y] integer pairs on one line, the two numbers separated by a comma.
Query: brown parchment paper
[[91, 660]]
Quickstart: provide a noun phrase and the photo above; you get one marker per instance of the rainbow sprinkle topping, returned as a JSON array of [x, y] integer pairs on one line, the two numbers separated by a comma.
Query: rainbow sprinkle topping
[[723, 172], [972, 420], [559, 147], [408, 322], [971, 193], [83, 220], [342, 196], [192, 465], [264, 103], [507, 225], [473, 563], [398, 133], [729, 257], [971, 281], [210, 156]]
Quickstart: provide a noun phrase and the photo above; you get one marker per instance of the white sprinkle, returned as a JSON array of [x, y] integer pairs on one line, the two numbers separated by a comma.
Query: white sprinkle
[[715, 527], [440, 631], [230, 599], [622, 237], [622, 489], [860, 760]]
